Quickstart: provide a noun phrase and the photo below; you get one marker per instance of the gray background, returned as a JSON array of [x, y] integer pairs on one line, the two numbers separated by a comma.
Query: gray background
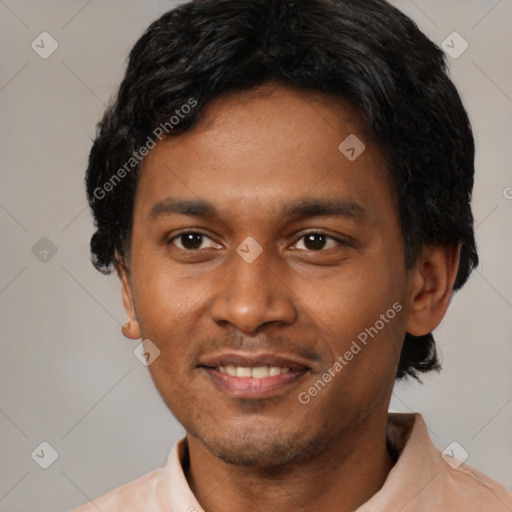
[[69, 377]]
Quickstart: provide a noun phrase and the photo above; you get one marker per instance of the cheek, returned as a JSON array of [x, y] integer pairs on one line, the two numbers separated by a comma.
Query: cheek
[[162, 292], [360, 313], [172, 312], [352, 297]]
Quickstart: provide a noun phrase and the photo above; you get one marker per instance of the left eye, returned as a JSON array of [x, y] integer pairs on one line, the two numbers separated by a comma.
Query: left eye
[[317, 242]]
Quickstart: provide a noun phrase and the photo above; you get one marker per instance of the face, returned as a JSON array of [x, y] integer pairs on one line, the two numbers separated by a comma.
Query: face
[[257, 243]]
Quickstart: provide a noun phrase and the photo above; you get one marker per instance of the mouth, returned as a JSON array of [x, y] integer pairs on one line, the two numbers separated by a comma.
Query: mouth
[[252, 375]]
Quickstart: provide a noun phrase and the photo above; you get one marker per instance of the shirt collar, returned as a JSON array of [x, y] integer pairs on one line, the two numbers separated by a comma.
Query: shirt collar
[[419, 464]]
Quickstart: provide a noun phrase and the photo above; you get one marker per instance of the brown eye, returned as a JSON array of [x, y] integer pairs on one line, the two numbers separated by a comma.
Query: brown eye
[[190, 240], [317, 242]]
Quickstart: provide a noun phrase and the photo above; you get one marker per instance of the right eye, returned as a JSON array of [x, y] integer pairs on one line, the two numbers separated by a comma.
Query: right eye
[[191, 241]]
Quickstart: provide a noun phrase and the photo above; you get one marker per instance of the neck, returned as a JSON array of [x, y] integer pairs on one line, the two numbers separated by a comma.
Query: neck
[[340, 478]]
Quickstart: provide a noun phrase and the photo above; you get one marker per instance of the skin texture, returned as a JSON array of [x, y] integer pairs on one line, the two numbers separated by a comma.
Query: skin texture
[[252, 154]]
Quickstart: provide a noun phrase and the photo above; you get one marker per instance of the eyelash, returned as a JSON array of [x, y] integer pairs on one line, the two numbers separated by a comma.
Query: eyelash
[[339, 241]]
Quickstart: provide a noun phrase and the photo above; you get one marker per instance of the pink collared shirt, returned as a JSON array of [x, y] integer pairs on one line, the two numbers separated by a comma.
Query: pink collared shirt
[[420, 481]]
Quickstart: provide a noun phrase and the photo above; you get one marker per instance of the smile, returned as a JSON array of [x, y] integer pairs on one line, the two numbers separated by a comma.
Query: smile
[[254, 382], [254, 375], [258, 372]]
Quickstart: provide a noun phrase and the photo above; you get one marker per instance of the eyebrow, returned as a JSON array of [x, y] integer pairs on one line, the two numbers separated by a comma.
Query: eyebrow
[[300, 208], [306, 207]]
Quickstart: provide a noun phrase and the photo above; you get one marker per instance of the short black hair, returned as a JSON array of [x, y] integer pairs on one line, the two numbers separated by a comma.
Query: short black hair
[[365, 52]]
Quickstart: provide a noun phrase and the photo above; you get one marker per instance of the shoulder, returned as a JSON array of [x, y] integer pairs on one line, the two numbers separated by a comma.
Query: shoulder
[[133, 496], [426, 479], [151, 491], [465, 485]]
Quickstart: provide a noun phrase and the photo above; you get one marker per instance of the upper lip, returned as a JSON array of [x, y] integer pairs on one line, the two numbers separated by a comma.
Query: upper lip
[[252, 360]]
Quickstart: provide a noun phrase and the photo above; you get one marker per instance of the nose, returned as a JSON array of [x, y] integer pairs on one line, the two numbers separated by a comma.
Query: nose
[[252, 295]]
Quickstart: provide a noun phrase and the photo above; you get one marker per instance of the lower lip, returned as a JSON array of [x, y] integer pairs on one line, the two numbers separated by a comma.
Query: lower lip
[[251, 387]]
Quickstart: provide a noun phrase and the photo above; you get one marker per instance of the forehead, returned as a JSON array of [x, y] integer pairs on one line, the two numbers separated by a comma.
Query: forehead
[[266, 148]]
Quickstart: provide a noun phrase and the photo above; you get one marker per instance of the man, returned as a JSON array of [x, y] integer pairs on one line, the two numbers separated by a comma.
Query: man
[[283, 188]]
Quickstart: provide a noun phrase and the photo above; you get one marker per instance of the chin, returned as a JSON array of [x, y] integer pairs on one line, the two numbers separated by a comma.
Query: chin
[[246, 448]]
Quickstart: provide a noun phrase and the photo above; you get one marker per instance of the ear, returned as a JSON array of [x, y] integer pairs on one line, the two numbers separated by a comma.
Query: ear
[[131, 328], [431, 287]]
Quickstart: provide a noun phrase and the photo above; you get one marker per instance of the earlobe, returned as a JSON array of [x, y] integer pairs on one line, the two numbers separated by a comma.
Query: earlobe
[[131, 327], [432, 280]]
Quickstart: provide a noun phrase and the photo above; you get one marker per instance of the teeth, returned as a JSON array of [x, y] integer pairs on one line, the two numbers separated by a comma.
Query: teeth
[[231, 370], [275, 370], [242, 371], [258, 372]]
